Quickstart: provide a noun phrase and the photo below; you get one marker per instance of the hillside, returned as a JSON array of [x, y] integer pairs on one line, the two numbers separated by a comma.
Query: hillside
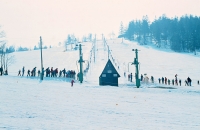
[[28, 103]]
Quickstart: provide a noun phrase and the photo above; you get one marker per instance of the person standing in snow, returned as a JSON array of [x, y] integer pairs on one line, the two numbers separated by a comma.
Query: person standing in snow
[[172, 81], [52, 75], [38, 73], [72, 82], [189, 81], [1, 71], [152, 79], [162, 80], [56, 72], [198, 82], [19, 73], [64, 72], [34, 71], [128, 77], [186, 83], [28, 73], [176, 80], [168, 81], [141, 77], [42, 72], [131, 76], [159, 80], [47, 72], [23, 70], [180, 82]]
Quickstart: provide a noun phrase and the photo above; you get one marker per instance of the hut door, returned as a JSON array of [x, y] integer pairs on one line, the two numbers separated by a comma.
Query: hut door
[[109, 78]]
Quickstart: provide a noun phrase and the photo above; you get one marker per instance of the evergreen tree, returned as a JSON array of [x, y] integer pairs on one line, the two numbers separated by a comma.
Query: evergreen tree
[[145, 29], [180, 34]]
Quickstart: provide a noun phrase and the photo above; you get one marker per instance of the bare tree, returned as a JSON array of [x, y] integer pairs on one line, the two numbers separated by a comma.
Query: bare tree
[[2, 45], [6, 58], [9, 60]]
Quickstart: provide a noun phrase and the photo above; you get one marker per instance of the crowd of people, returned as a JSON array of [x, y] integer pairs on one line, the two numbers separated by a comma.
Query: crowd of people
[[3, 72], [163, 80], [48, 72]]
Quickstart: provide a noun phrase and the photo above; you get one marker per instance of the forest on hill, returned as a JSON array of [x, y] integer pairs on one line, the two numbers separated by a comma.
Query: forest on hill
[[179, 34]]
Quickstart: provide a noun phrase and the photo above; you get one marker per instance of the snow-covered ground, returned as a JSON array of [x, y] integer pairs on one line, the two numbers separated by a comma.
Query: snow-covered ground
[[28, 103]]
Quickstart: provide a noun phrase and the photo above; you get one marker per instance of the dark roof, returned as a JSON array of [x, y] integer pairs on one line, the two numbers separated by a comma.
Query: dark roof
[[109, 66]]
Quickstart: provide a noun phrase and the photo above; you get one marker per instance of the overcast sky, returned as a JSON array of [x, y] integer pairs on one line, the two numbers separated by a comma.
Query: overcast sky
[[24, 21]]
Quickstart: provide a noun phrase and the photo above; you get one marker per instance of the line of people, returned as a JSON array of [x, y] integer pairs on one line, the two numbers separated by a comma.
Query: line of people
[[48, 72], [163, 80], [188, 81]]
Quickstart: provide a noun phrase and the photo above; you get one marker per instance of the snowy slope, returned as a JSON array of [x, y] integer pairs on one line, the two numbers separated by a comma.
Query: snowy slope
[[54, 57], [27, 103], [155, 62]]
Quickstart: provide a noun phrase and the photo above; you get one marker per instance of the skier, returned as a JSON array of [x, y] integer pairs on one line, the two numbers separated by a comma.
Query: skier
[[72, 82], [198, 82]]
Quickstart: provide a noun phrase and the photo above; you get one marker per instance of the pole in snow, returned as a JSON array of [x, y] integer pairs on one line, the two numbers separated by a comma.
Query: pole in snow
[[136, 66], [81, 64], [42, 73]]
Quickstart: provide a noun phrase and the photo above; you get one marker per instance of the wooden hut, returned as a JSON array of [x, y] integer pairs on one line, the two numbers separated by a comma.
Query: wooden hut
[[109, 76]]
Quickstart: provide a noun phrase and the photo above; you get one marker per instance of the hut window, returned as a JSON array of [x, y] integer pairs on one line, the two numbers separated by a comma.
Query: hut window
[[114, 75], [103, 75], [109, 71]]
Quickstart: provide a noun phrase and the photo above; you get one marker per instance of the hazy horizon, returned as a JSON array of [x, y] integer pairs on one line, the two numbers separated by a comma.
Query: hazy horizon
[[24, 21]]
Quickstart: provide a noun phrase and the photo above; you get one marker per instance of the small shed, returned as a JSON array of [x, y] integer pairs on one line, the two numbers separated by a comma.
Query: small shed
[[109, 76]]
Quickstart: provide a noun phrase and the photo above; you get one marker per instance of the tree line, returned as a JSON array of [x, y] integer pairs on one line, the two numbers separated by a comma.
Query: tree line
[[179, 34]]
